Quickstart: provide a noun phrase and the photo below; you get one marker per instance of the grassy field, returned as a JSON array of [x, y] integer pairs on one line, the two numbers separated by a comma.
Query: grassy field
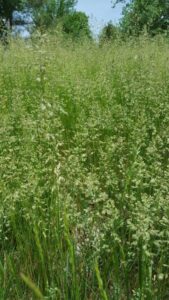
[[84, 170]]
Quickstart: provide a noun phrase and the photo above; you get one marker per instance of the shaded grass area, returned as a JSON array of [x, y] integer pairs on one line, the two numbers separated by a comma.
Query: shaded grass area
[[84, 168]]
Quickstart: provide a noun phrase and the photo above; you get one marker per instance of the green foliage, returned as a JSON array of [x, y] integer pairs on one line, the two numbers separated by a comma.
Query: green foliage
[[152, 16], [7, 7], [65, 7], [3, 31], [47, 12], [110, 33], [77, 25], [84, 168]]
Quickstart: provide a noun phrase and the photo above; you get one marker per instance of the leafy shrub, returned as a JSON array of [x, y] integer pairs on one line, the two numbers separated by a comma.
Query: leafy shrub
[[77, 25]]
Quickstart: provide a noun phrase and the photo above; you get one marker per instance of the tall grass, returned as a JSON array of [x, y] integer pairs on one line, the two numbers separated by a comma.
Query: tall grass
[[84, 168]]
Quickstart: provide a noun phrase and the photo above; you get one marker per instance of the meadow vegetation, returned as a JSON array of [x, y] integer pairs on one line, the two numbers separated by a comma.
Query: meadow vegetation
[[84, 170]]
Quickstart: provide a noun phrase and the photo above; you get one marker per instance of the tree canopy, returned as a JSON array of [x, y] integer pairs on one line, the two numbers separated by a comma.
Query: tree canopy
[[7, 7], [47, 12], [77, 25], [151, 15], [109, 32]]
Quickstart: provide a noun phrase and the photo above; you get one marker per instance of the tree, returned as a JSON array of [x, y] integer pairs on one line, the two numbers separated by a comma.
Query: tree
[[109, 32], [7, 7], [44, 12], [65, 7], [3, 32], [47, 12], [152, 15], [77, 25]]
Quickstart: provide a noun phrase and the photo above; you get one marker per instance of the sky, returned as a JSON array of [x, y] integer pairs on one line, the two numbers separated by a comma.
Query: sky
[[100, 12]]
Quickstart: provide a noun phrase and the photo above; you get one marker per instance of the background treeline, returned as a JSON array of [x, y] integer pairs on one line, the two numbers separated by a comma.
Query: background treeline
[[139, 16], [45, 14]]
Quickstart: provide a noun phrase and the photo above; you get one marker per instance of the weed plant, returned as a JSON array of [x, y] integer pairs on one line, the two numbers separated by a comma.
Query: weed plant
[[84, 170]]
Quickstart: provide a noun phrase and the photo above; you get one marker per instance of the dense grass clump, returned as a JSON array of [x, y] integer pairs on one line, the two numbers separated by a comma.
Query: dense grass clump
[[84, 168]]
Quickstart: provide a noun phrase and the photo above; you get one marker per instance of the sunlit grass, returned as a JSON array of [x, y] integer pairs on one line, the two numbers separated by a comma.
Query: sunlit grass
[[84, 170]]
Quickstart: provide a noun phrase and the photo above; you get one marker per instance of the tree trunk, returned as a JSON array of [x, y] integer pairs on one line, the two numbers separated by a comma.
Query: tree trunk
[[10, 22]]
